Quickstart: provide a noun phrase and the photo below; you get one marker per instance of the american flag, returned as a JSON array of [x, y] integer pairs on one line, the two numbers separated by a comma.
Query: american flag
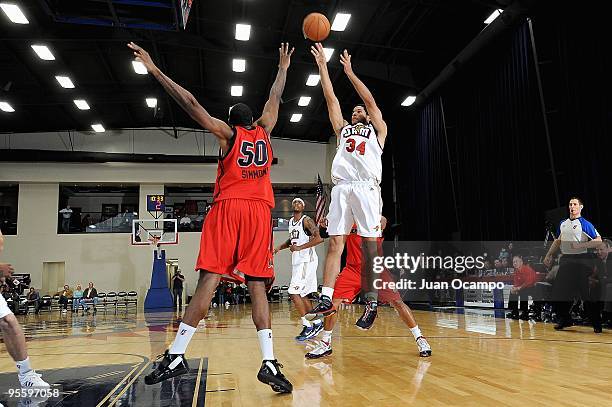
[[321, 200]]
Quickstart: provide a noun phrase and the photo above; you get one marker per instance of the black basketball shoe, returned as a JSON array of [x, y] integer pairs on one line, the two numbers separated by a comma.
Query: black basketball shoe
[[366, 321], [324, 308], [169, 366], [270, 374]]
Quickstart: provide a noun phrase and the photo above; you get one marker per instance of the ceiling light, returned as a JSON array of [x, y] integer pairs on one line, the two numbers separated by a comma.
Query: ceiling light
[[238, 65], [328, 53], [14, 13], [43, 52], [65, 82], [493, 16], [151, 102], [139, 68], [98, 128], [312, 80], [409, 100], [295, 117], [340, 22], [6, 107], [236, 90], [243, 32], [81, 104], [304, 101]]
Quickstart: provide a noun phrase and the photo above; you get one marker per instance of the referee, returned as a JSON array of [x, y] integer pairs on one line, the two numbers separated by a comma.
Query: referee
[[576, 235]]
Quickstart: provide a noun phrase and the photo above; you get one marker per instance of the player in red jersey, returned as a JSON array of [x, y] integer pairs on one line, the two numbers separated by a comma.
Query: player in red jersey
[[348, 285], [236, 237]]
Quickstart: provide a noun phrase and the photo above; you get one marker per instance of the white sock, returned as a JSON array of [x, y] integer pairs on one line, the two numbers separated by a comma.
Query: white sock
[[327, 291], [266, 344], [306, 322], [416, 332], [327, 335], [183, 336], [24, 366]]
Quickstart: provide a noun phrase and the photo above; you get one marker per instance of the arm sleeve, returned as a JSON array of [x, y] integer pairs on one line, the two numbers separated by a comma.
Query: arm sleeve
[[323, 232]]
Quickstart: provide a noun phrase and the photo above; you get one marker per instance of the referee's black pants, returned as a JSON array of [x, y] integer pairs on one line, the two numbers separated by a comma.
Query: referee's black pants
[[573, 281]]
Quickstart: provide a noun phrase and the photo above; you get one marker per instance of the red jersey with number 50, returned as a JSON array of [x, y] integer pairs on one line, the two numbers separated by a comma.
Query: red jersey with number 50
[[244, 173], [358, 157]]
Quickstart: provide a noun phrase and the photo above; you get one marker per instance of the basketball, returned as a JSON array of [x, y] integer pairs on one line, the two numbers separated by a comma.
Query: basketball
[[316, 27]]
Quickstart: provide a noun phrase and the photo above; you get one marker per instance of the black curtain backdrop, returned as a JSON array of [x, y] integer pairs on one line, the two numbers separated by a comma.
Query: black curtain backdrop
[[490, 116]]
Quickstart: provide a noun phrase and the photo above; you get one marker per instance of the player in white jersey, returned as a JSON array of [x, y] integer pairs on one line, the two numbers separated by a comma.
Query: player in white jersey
[[14, 339], [356, 173], [303, 237]]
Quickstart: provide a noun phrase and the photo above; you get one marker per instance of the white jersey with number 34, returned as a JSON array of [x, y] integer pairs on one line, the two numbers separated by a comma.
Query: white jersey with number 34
[[358, 157]]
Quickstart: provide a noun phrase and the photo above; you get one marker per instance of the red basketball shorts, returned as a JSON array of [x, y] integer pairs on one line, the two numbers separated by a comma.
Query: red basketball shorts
[[348, 286], [237, 240]]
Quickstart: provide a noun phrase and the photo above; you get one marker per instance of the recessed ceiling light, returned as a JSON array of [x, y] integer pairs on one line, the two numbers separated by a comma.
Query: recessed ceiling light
[[493, 16], [65, 82], [243, 32], [14, 13], [236, 90], [98, 128], [312, 80], [43, 52], [304, 101], [139, 68], [409, 100], [81, 104], [151, 102], [296, 117], [340, 22], [6, 107], [328, 53], [238, 65]]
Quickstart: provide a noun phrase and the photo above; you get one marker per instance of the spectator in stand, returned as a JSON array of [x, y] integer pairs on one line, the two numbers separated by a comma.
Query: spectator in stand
[[177, 289], [66, 215], [600, 281], [510, 250], [523, 285], [77, 295], [65, 294], [90, 296], [34, 299], [504, 263], [497, 264]]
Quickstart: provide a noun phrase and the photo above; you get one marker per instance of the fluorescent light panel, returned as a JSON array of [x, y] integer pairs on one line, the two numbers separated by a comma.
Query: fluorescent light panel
[[6, 107], [65, 82], [98, 128], [296, 117], [340, 22], [304, 101], [139, 68], [151, 102], [243, 32], [409, 100], [238, 65], [328, 53], [493, 16], [43, 52], [14, 13], [81, 104], [313, 80], [236, 90]]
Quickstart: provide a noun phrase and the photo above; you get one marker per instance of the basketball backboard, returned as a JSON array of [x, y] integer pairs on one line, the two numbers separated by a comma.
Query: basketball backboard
[[164, 231]]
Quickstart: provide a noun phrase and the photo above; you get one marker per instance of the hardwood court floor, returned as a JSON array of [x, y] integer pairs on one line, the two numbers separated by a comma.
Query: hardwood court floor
[[477, 360]]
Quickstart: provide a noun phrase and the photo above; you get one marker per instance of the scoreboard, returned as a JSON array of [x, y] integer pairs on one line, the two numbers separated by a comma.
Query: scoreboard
[[156, 203]]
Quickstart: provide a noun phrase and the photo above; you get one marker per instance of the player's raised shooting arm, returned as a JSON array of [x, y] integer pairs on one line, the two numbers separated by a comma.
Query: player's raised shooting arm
[[333, 106], [270, 113], [315, 237], [366, 96], [184, 98]]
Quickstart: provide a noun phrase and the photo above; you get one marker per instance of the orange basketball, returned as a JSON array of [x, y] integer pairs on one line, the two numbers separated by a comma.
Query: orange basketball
[[316, 27]]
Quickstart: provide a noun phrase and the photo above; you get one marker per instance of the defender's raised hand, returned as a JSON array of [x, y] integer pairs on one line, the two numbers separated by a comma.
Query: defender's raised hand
[[285, 55], [345, 60], [142, 56], [318, 53]]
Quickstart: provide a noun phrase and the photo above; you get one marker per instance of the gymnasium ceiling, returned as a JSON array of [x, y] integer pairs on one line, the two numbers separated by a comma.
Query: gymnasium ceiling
[[398, 47]]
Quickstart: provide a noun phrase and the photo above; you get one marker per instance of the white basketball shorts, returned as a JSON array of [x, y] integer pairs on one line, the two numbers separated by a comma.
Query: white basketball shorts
[[304, 278], [4, 309], [355, 202]]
